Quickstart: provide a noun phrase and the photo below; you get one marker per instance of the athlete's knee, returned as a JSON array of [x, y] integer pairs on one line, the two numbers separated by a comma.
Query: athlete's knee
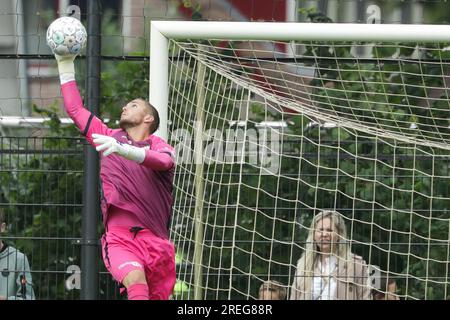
[[134, 277]]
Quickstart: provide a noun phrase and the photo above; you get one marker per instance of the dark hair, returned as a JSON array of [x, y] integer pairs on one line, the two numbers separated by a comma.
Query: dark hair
[[154, 113]]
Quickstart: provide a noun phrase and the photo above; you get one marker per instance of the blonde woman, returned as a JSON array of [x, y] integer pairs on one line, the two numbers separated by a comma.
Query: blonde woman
[[328, 270]]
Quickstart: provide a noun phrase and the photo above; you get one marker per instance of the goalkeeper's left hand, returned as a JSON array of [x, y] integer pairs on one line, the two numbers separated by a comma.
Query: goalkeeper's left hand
[[110, 145], [66, 68]]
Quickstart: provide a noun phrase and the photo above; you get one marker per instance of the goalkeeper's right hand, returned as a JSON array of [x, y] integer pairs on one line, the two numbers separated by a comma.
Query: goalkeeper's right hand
[[66, 68]]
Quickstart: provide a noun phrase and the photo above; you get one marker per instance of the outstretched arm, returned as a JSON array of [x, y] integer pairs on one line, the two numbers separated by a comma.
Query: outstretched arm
[[86, 122], [152, 159], [158, 160]]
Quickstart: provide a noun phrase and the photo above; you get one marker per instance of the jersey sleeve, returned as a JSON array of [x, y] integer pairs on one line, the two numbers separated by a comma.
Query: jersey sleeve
[[85, 120], [160, 157]]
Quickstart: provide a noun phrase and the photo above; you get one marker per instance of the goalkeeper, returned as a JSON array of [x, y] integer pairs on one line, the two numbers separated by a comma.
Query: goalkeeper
[[136, 173]]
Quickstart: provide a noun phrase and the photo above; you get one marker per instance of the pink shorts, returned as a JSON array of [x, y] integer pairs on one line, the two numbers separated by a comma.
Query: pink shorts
[[123, 252]]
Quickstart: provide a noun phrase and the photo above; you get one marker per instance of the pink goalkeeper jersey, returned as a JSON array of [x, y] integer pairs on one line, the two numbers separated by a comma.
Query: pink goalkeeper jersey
[[142, 189]]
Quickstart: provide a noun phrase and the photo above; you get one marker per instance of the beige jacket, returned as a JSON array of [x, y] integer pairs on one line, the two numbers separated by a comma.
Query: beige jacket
[[352, 283]]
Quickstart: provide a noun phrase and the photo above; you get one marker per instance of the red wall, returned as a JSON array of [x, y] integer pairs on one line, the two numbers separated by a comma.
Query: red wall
[[267, 10]]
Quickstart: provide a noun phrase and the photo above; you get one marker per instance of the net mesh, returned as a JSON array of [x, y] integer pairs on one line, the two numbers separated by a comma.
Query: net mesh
[[269, 133]]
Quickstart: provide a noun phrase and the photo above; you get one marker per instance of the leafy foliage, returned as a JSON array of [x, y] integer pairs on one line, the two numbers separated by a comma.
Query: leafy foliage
[[41, 182]]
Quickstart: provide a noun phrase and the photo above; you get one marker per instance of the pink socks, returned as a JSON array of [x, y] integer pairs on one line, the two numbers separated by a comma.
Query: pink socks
[[138, 291]]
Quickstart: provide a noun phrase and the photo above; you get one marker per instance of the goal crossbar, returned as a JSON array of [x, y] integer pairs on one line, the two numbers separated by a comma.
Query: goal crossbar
[[161, 31]]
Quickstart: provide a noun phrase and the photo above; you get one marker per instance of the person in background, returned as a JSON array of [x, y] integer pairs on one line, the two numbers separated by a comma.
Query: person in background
[[327, 269], [272, 290], [387, 289], [15, 276]]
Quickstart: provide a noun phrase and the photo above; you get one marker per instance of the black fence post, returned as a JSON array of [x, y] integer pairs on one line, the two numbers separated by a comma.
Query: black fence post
[[90, 219]]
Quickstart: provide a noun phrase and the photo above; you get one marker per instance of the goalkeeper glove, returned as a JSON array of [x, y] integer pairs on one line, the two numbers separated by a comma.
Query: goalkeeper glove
[[110, 145], [66, 68]]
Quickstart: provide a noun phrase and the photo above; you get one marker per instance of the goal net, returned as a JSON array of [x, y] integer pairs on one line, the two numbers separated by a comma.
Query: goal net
[[269, 133]]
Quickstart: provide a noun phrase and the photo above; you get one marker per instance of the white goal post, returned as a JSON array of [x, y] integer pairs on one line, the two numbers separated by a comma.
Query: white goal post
[[275, 122]]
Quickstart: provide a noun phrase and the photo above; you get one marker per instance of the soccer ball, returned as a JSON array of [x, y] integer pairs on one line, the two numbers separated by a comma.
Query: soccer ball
[[66, 36]]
